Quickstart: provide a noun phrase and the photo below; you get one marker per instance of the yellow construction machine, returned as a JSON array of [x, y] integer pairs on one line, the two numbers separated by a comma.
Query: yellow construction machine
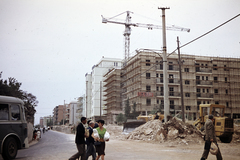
[[224, 127]]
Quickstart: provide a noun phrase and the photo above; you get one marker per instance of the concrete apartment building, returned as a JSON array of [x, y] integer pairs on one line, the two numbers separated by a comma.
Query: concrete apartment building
[[95, 87], [113, 94], [205, 80], [59, 113], [76, 110]]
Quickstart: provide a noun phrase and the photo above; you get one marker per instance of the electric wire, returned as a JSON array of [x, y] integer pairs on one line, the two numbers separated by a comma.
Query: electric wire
[[205, 34]]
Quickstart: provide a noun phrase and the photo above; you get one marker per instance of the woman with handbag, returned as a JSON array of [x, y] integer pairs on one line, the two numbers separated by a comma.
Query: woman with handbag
[[100, 140]]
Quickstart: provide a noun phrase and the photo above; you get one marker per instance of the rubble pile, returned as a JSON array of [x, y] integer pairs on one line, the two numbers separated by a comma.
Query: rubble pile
[[173, 130], [236, 135], [115, 131]]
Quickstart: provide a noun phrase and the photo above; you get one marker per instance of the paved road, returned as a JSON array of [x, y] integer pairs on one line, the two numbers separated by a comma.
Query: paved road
[[53, 145], [59, 146]]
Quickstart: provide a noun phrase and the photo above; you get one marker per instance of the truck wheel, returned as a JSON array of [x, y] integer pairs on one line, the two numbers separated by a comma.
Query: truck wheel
[[9, 149], [226, 139]]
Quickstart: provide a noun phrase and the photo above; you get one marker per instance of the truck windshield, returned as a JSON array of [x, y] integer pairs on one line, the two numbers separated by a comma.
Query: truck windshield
[[218, 112], [206, 111]]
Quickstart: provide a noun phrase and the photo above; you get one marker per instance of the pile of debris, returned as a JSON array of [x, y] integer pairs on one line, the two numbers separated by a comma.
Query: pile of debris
[[174, 130], [236, 135]]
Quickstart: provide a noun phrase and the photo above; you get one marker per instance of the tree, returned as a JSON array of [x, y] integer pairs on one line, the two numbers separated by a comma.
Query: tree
[[11, 87], [127, 108], [134, 113], [121, 118]]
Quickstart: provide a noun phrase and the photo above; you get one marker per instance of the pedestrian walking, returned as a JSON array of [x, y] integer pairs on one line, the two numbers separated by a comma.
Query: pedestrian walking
[[210, 137], [100, 148], [80, 141], [91, 151]]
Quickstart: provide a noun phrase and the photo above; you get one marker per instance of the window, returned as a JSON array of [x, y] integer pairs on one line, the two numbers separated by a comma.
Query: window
[[161, 75], [214, 67], [198, 77], [215, 78], [148, 76], [225, 79], [148, 88], [187, 82], [207, 90], [216, 91], [157, 75], [202, 77], [157, 101], [198, 90], [188, 107], [171, 89], [161, 66], [3, 112], [162, 89], [171, 104], [115, 63], [170, 66], [148, 101], [207, 78], [216, 102], [225, 68], [15, 112], [187, 94], [148, 63], [227, 105], [198, 103], [171, 80], [186, 69], [203, 90], [157, 88], [226, 91]]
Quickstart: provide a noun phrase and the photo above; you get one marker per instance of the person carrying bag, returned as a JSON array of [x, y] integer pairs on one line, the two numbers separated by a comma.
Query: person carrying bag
[[100, 135]]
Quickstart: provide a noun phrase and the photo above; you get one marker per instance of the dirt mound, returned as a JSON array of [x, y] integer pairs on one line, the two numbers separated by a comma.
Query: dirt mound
[[173, 130]]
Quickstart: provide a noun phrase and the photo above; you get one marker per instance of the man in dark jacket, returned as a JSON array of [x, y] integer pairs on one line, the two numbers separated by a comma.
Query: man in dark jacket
[[90, 141], [80, 141], [209, 138]]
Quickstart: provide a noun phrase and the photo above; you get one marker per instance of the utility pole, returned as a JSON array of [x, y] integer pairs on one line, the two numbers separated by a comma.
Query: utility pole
[[181, 85], [165, 72]]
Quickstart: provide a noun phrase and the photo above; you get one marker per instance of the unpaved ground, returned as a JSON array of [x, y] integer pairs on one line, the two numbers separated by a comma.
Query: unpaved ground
[[141, 145], [140, 150]]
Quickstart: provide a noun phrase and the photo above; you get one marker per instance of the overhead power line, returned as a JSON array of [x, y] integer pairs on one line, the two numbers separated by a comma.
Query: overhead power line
[[206, 33]]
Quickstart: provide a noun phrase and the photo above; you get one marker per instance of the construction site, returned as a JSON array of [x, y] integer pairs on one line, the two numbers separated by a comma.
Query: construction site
[[206, 80]]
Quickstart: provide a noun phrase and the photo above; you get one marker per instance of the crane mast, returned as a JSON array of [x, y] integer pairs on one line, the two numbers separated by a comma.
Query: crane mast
[[127, 31]]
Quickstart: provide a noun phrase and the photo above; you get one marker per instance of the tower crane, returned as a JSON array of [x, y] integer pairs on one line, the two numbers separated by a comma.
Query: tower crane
[[128, 25]]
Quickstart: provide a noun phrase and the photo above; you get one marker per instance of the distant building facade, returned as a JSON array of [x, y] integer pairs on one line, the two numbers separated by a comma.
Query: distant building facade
[[95, 87]]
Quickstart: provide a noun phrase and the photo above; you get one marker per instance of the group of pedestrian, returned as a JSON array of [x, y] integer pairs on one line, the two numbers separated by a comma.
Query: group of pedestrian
[[96, 150]]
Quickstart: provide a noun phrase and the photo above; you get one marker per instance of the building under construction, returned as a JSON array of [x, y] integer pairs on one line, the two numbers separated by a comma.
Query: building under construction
[[205, 80]]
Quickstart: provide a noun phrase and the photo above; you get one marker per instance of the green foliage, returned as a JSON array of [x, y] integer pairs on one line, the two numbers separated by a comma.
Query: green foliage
[[11, 87], [127, 108], [134, 113], [121, 118]]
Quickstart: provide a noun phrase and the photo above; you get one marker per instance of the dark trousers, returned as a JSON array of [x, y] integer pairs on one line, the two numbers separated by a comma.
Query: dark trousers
[[91, 151], [81, 152], [207, 149]]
